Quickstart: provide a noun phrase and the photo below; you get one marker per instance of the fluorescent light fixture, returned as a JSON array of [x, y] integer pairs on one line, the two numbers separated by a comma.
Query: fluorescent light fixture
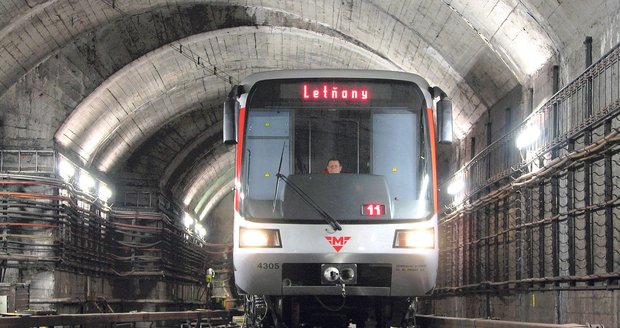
[[66, 169], [528, 136], [104, 192], [456, 186], [187, 220], [86, 183], [200, 230]]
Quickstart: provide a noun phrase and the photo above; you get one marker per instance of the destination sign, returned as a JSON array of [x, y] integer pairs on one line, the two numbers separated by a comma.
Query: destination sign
[[334, 92]]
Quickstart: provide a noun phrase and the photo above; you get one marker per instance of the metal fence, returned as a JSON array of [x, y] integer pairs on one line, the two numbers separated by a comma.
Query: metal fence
[[547, 213], [28, 161]]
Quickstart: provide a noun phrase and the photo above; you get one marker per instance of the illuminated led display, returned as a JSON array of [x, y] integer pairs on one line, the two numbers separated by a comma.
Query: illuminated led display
[[334, 92], [373, 210]]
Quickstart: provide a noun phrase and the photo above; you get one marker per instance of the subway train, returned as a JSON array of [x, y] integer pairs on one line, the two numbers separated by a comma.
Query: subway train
[[353, 244]]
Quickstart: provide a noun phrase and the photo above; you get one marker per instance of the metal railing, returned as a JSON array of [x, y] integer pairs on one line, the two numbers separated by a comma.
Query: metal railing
[[547, 214], [140, 199], [564, 119], [28, 161]]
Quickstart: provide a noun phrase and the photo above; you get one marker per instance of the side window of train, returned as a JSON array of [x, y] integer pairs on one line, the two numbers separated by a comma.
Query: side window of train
[[389, 130], [267, 135]]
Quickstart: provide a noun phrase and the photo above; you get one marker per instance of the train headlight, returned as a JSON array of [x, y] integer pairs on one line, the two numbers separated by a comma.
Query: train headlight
[[259, 238], [422, 238]]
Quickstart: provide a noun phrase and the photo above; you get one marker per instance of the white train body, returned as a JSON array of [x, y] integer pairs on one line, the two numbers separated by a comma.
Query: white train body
[[260, 271], [368, 231]]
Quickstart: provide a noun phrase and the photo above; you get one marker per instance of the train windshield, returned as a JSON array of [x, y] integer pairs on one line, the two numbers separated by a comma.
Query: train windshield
[[379, 139]]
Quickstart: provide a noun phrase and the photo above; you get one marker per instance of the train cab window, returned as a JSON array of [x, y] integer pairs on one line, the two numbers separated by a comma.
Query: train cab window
[[323, 135], [383, 150]]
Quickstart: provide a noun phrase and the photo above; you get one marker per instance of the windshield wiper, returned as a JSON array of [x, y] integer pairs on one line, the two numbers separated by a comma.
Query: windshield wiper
[[305, 197], [275, 194]]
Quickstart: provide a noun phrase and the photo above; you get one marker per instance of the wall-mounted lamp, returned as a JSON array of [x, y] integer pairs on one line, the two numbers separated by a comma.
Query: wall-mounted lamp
[[86, 182], [200, 230], [456, 186], [187, 220], [66, 169], [104, 193], [528, 136]]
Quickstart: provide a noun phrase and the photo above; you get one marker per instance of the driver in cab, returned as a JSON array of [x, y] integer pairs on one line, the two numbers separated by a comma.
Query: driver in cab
[[333, 166]]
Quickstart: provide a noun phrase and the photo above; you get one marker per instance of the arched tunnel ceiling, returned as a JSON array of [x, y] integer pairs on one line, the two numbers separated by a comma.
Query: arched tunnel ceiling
[[144, 110], [130, 106]]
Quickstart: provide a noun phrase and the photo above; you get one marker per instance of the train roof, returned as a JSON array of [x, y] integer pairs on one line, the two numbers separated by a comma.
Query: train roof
[[249, 81]]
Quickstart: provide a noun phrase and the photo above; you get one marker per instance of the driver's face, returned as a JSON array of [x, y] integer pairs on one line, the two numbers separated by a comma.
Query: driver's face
[[333, 167]]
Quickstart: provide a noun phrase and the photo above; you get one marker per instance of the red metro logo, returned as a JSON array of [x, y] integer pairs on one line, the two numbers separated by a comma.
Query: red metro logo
[[337, 242]]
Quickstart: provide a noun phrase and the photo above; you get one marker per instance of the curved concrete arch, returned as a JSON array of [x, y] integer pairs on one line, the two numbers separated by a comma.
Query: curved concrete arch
[[142, 123], [43, 29], [513, 30], [476, 51], [176, 167], [199, 177], [216, 198], [415, 45], [127, 108], [181, 147]]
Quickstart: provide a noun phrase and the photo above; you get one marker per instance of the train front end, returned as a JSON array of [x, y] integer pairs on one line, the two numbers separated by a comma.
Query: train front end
[[370, 230]]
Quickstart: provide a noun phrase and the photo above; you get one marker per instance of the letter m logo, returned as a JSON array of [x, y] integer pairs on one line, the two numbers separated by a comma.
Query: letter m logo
[[337, 242]]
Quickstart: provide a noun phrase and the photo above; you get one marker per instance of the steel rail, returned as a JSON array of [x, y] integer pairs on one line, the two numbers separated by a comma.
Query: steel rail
[[221, 316], [431, 321]]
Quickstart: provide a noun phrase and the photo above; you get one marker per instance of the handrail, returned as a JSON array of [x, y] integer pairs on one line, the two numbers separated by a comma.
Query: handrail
[[563, 116], [28, 161]]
